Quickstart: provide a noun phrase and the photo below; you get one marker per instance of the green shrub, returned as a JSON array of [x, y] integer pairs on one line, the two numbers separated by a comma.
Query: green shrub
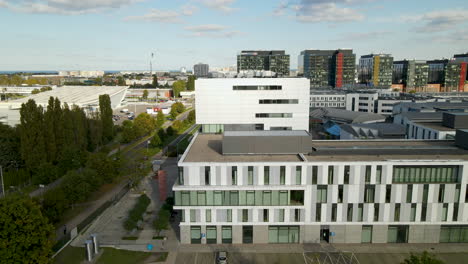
[[137, 212]]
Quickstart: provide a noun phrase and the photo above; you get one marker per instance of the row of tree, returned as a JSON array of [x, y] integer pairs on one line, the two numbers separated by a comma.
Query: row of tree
[[141, 126], [17, 80]]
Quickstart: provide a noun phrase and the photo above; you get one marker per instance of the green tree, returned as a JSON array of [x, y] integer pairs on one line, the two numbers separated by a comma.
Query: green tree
[[170, 131], [160, 119], [162, 134], [26, 235], [177, 87], [54, 204], [191, 83], [155, 81], [94, 132], [177, 125], [103, 165], [75, 187], [35, 91], [105, 112], [33, 150], [144, 124], [128, 132], [121, 81], [10, 156], [155, 141], [423, 258], [191, 116], [173, 112], [98, 81], [162, 222], [145, 94], [45, 173]]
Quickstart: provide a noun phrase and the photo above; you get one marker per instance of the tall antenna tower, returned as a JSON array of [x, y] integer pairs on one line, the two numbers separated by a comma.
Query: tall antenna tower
[[151, 64]]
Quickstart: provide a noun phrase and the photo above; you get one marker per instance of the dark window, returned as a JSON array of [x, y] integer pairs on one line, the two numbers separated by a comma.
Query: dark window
[[265, 215], [181, 176], [369, 193], [330, 174], [441, 193], [333, 215], [340, 194], [315, 172], [282, 175], [396, 216], [425, 192], [378, 174], [318, 212], [256, 87], [259, 127], [250, 175], [273, 115], [207, 175], [346, 174], [423, 212], [376, 212], [297, 197], [388, 193], [350, 213], [425, 174], [278, 101], [234, 175], [368, 174], [266, 175], [409, 193]]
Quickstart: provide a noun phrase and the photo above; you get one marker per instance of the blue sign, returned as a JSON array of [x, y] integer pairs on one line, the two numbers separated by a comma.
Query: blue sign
[[332, 233], [149, 247], [203, 235]]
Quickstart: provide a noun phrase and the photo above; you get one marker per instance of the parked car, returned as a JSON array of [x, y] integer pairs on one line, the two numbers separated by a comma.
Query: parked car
[[221, 257]]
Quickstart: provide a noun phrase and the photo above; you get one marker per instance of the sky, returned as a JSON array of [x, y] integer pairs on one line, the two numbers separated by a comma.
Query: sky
[[122, 34]]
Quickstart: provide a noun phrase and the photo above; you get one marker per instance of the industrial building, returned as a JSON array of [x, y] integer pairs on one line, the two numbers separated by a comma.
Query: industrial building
[[284, 187], [268, 60], [83, 96], [252, 104]]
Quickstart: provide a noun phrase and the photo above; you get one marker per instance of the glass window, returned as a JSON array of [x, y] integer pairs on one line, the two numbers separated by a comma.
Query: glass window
[[333, 213], [282, 175], [321, 194], [444, 212], [266, 175], [208, 215], [318, 212], [368, 174], [267, 198], [409, 193], [185, 198], [201, 198], [283, 198], [281, 215], [298, 174], [413, 213], [388, 193], [378, 175], [234, 197], [314, 174], [211, 235], [457, 193], [366, 235], [218, 198], [396, 216], [195, 234], [207, 175], [297, 197], [441, 193], [245, 215], [182, 215], [234, 175], [250, 176], [369, 193], [360, 212], [376, 212], [455, 212], [250, 197], [340, 193], [229, 215], [425, 174], [423, 212], [226, 234], [349, 215], [209, 198], [346, 174], [330, 174], [193, 215], [265, 215], [274, 197], [181, 176]]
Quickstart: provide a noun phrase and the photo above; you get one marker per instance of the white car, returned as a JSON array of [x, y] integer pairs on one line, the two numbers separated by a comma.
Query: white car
[[221, 257]]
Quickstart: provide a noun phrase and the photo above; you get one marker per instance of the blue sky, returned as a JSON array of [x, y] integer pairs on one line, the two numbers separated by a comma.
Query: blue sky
[[121, 34]]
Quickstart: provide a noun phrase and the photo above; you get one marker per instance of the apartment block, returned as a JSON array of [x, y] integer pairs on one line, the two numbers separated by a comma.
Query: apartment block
[[267, 60], [376, 70]]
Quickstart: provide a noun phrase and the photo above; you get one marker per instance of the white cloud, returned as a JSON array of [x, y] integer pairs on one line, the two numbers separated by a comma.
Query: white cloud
[[3, 4], [64, 7], [156, 15], [438, 21], [220, 5], [211, 31], [364, 36]]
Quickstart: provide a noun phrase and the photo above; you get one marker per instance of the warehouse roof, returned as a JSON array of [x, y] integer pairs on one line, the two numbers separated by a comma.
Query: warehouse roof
[[345, 116], [72, 95]]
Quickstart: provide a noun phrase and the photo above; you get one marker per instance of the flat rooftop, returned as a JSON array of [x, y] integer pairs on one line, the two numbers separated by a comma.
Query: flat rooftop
[[208, 148]]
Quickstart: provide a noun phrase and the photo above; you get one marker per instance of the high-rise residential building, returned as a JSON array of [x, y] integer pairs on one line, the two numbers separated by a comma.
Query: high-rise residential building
[[455, 76], [268, 60], [461, 57], [437, 69], [252, 104], [201, 70], [411, 74], [246, 187], [376, 70], [328, 68]]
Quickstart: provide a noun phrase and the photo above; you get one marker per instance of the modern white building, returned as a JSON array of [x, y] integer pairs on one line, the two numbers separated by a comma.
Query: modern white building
[[284, 187], [82, 96], [252, 104]]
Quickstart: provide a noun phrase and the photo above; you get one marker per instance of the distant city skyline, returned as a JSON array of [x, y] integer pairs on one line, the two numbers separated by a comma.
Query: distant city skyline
[[122, 34]]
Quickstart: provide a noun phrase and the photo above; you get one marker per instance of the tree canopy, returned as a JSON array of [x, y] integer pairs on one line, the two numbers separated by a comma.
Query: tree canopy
[[191, 83], [177, 87], [26, 235], [145, 94]]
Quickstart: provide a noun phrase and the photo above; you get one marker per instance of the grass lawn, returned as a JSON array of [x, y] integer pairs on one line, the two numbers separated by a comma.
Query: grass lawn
[[76, 255]]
